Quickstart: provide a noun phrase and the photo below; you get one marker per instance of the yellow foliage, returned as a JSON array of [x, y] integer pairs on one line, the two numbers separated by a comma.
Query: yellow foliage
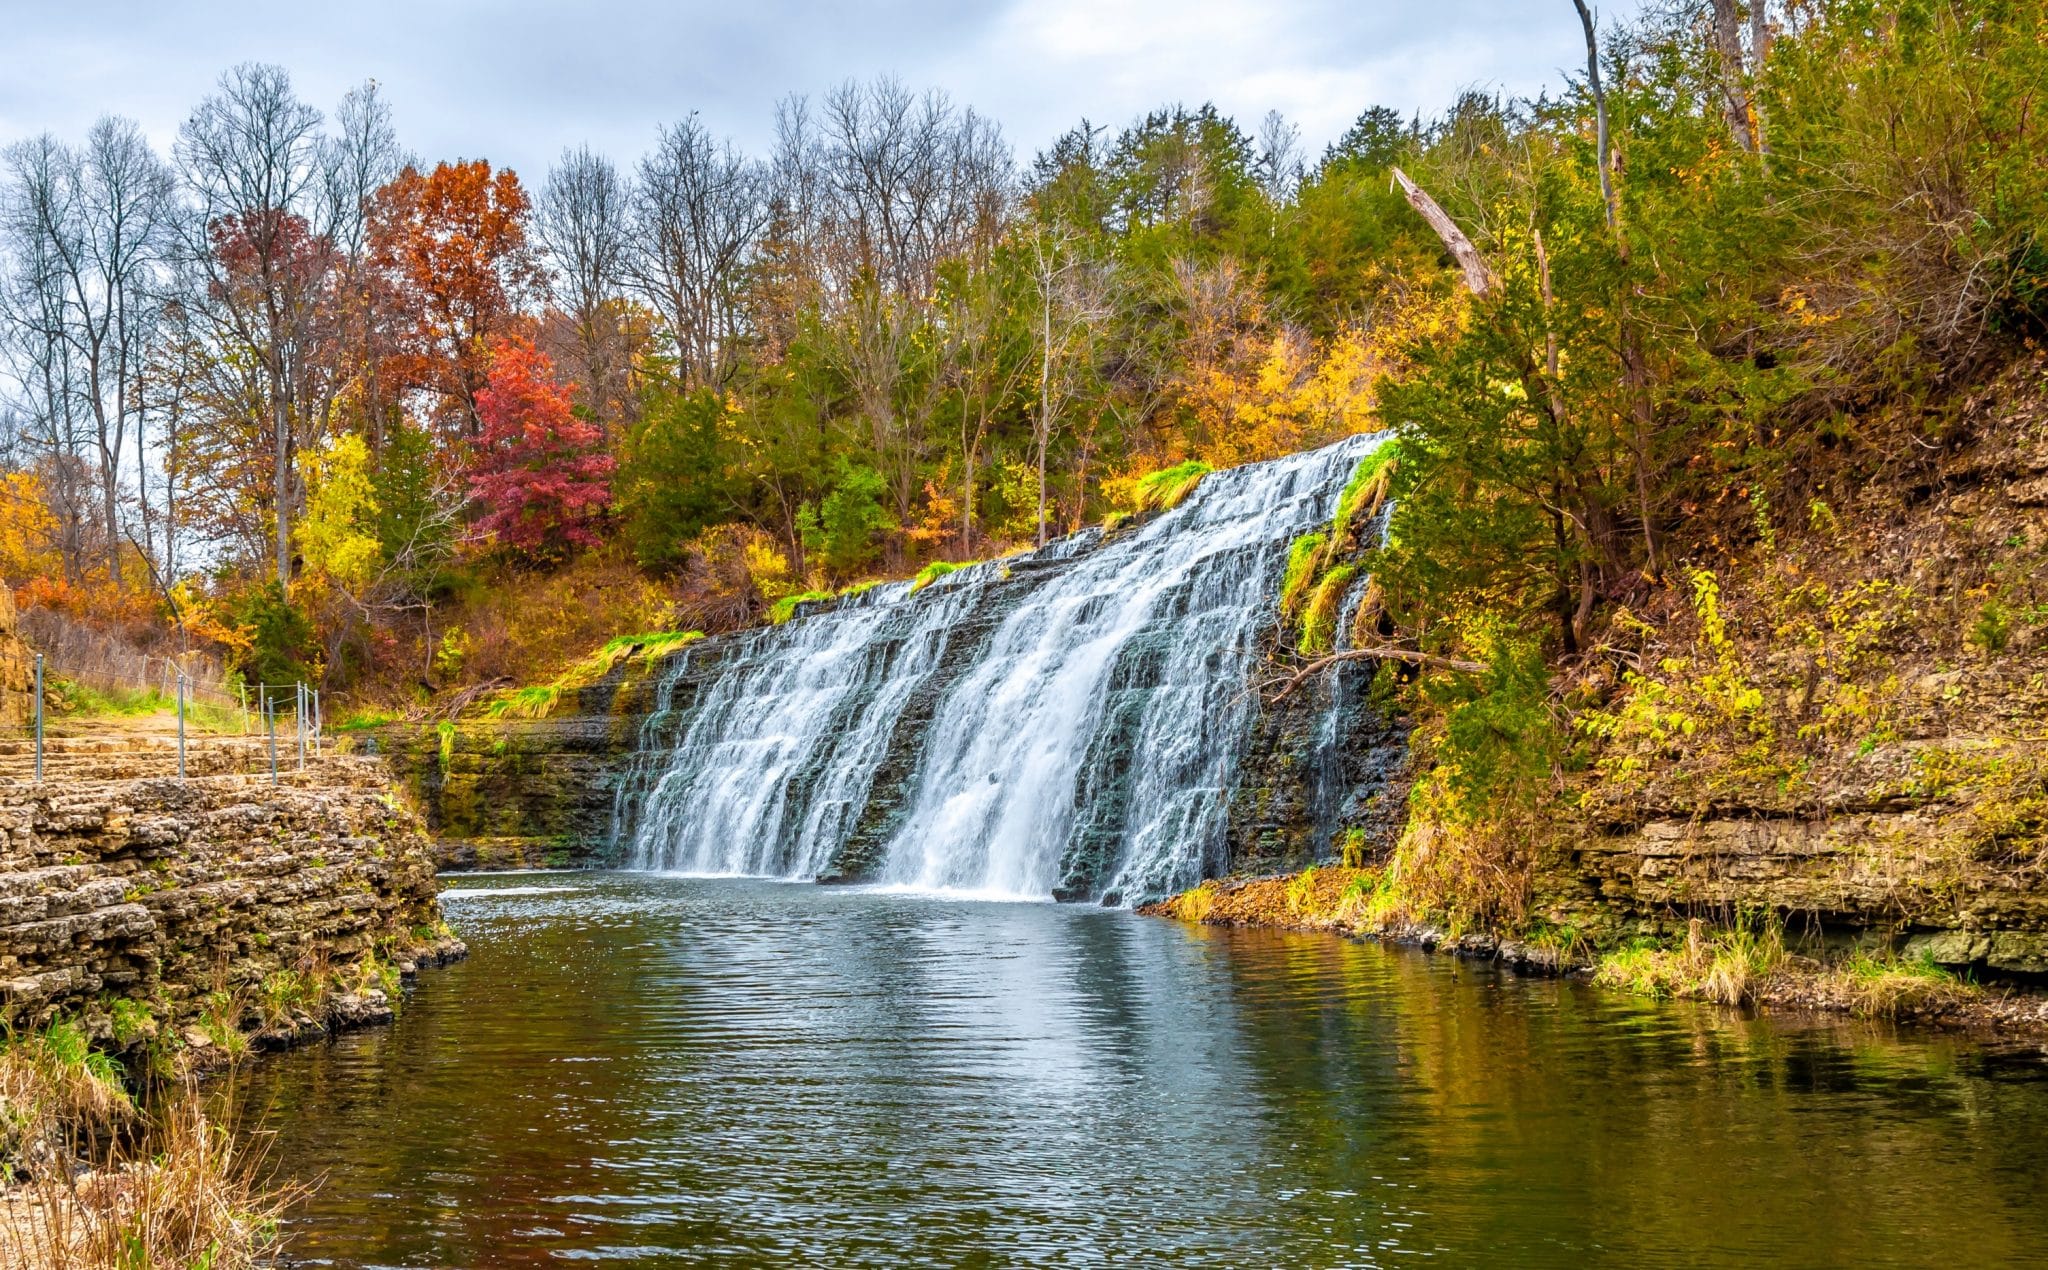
[[28, 532], [336, 535]]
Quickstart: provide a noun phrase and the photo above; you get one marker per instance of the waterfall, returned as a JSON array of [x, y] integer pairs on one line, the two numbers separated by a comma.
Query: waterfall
[[1061, 723]]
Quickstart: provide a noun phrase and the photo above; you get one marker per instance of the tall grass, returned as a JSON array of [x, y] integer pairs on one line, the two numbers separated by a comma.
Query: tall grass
[[1730, 965], [98, 1183]]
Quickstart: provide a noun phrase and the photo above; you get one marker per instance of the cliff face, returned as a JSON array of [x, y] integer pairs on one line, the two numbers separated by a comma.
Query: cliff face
[[1325, 770], [220, 900], [510, 792], [1865, 750]]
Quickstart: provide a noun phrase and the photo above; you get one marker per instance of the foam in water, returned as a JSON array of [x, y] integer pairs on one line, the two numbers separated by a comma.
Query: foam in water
[[1065, 722]]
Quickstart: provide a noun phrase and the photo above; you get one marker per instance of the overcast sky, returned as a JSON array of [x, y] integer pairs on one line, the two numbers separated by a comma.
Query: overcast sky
[[515, 81]]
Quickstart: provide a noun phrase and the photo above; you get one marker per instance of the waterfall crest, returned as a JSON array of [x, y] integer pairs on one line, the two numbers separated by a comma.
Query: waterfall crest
[[1062, 723]]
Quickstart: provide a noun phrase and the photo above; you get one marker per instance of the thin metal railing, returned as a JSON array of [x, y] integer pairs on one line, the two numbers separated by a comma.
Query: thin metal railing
[[307, 722]]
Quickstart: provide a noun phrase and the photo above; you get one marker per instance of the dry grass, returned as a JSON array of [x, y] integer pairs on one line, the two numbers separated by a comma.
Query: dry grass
[[194, 1195], [1731, 966]]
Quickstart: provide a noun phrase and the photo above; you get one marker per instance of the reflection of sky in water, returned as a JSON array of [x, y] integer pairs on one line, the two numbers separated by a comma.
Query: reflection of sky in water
[[666, 1071]]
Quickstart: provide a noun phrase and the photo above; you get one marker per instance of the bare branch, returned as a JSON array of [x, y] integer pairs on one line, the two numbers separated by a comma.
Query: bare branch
[[1377, 653]]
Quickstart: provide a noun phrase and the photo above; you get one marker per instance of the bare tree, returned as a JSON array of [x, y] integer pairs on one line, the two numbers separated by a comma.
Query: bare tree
[[697, 211], [95, 221], [357, 159], [1070, 305], [1280, 165], [582, 222], [254, 158]]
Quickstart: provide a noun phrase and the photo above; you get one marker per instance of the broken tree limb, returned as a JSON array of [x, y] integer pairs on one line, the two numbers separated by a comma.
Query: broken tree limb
[[1599, 116], [1477, 276], [1410, 656]]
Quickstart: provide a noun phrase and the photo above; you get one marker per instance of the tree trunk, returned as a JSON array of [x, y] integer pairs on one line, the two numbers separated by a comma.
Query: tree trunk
[[1735, 96], [280, 420], [1478, 278]]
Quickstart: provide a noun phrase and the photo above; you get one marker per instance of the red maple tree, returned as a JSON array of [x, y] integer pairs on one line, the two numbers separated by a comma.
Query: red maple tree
[[539, 471]]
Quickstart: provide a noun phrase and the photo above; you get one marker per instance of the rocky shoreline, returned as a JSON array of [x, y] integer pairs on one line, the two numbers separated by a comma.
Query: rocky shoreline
[[1323, 900]]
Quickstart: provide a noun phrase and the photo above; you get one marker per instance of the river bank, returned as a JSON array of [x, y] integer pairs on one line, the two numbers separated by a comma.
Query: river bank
[[155, 929], [1760, 966]]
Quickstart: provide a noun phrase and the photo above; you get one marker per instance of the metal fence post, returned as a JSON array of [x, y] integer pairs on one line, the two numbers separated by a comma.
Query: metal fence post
[[39, 718], [300, 714], [181, 723], [270, 725], [316, 723]]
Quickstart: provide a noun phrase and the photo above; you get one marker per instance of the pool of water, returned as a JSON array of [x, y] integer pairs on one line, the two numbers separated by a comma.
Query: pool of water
[[660, 1071]]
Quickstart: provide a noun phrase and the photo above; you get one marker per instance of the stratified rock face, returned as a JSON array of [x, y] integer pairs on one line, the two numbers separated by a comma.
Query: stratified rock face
[[166, 891], [516, 793], [1321, 764], [17, 669]]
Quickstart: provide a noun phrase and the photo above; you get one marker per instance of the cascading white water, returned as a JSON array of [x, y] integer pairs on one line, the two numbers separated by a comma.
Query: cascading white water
[[1067, 721]]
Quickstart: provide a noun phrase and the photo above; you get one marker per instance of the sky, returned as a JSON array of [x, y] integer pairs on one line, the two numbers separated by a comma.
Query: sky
[[515, 82]]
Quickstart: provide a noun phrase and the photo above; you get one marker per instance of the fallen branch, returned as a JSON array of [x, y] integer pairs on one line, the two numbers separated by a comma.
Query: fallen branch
[[1410, 656]]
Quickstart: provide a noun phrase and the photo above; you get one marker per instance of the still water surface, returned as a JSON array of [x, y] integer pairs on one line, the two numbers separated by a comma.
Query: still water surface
[[660, 1071]]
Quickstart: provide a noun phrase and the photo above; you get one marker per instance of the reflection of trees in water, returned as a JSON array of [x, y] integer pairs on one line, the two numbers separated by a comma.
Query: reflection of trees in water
[[778, 1073], [1549, 1119]]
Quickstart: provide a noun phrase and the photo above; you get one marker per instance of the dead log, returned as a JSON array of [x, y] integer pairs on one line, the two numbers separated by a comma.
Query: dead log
[[1477, 276]]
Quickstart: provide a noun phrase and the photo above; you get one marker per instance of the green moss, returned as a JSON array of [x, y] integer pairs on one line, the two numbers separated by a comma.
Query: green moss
[[524, 703], [1301, 568], [934, 571], [445, 731], [785, 608], [1319, 622], [363, 720], [1365, 492], [1167, 488]]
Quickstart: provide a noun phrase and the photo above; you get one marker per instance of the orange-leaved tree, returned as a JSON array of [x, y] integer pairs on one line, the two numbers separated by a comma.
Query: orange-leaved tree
[[451, 252]]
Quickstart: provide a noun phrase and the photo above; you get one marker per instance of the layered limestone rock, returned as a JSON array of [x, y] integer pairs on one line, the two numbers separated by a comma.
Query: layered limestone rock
[[1889, 782], [508, 792], [217, 898]]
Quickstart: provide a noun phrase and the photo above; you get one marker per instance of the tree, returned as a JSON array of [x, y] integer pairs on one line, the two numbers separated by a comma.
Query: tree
[[251, 156], [92, 228], [698, 209], [672, 481], [1070, 302], [540, 472], [452, 246], [582, 221]]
